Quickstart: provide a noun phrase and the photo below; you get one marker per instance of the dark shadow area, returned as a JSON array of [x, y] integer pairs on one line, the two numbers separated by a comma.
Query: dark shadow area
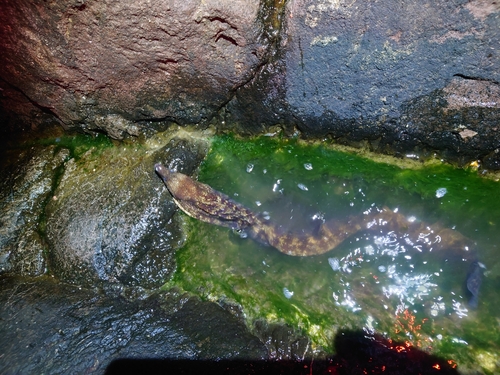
[[357, 353]]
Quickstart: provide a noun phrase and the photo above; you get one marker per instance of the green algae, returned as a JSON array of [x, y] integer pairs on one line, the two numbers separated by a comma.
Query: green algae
[[78, 144], [286, 178]]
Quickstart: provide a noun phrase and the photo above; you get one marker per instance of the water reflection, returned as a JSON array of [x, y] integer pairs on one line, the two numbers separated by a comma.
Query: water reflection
[[412, 287], [399, 270], [404, 276]]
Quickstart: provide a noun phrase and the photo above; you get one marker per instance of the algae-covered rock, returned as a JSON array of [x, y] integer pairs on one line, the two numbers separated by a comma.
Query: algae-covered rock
[[26, 186], [112, 220]]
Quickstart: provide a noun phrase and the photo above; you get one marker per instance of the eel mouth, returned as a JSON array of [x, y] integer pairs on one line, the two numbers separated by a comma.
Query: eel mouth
[[161, 171]]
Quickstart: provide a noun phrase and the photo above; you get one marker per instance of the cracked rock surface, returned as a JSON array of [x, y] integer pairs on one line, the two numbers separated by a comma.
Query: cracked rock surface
[[103, 66], [397, 77]]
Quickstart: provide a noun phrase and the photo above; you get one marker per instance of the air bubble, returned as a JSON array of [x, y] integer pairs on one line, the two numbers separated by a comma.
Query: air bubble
[[302, 187], [276, 185], [334, 263], [288, 294], [441, 192]]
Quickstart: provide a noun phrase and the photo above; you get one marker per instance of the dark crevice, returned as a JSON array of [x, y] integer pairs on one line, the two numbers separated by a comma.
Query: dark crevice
[[268, 47], [222, 20], [167, 61], [476, 78], [226, 38], [156, 119], [272, 17], [44, 109], [81, 7]]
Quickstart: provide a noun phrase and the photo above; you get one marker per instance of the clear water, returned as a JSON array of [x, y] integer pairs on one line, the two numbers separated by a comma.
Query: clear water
[[377, 283]]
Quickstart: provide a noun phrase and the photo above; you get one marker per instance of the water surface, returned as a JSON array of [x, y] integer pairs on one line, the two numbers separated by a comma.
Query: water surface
[[377, 283]]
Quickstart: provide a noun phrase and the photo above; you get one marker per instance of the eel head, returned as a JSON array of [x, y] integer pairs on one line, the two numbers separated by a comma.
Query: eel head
[[203, 202]]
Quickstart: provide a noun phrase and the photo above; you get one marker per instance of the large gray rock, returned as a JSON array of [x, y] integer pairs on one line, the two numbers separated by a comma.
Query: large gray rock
[[396, 76], [359, 59], [49, 327]]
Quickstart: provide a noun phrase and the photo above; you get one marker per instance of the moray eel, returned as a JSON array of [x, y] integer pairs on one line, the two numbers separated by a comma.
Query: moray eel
[[204, 203]]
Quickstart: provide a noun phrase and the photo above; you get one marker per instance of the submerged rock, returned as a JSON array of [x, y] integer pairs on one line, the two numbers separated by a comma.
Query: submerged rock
[[473, 283]]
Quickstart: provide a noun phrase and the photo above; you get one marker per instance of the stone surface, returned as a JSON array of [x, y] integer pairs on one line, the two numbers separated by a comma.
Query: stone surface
[[399, 76], [90, 213], [103, 66], [25, 188], [357, 59], [114, 221], [50, 327]]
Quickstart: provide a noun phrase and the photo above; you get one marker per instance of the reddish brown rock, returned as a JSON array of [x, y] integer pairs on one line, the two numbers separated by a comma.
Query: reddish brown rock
[[104, 65]]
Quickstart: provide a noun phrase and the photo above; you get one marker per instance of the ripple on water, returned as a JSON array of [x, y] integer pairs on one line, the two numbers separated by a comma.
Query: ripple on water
[[402, 282]]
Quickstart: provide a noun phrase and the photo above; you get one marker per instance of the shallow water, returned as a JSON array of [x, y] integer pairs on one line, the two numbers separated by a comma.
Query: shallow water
[[378, 283]]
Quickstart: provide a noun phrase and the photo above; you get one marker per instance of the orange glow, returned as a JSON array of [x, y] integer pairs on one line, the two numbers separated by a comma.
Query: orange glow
[[452, 363], [400, 348], [474, 164], [437, 367], [407, 322]]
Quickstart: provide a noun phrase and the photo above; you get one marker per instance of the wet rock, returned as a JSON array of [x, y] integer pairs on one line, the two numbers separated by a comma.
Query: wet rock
[[366, 59], [112, 220], [283, 342], [397, 77], [459, 120], [103, 66], [28, 181], [49, 327], [492, 160], [214, 337]]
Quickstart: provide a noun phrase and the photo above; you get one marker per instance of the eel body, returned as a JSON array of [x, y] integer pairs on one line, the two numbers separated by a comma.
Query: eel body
[[204, 203]]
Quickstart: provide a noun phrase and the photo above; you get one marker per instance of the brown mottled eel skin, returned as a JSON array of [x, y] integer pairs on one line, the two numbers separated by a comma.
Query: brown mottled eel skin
[[200, 201]]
